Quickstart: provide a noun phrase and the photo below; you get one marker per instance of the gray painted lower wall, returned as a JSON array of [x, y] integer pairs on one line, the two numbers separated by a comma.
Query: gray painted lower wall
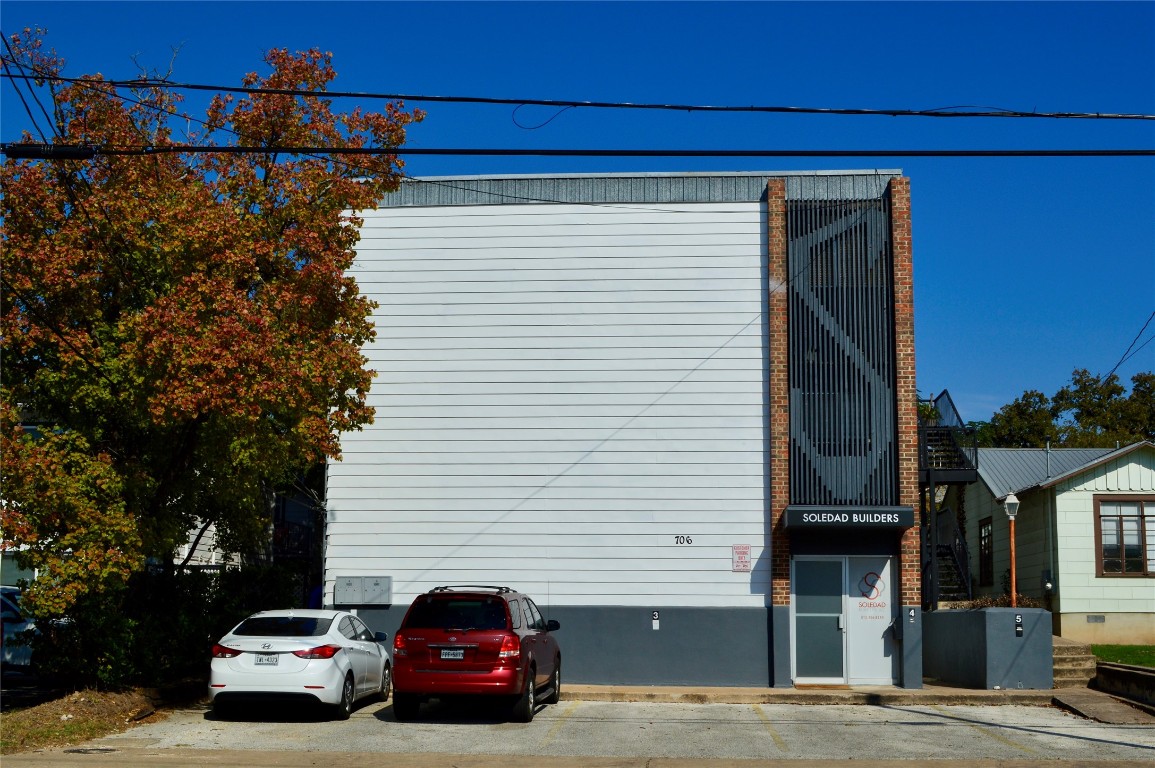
[[692, 646], [609, 645], [910, 643], [782, 644], [983, 648]]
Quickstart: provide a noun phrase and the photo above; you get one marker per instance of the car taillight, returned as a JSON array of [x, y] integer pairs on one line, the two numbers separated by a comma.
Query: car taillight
[[510, 647], [320, 652], [399, 645], [221, 652]]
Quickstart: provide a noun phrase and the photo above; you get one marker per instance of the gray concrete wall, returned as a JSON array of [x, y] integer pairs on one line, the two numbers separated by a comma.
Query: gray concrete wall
[[985, 649], [1130, 682], [619, 645]]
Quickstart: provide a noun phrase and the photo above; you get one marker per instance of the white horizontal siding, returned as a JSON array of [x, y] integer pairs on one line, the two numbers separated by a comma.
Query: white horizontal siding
[[477, 451], [561, 391], [562, 507], [1082, 591], [504, 497], [545, 263], [547, 465], [574, 530]]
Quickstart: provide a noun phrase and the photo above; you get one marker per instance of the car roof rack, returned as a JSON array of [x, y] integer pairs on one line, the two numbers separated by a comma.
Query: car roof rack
[[451, 587]]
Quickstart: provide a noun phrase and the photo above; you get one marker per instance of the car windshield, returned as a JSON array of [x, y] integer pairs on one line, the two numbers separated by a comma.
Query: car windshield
[[457, 614], [284, 626]]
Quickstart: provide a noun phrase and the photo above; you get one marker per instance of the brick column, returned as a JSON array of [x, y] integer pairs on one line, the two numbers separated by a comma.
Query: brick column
[[907, 393], [779, 392]]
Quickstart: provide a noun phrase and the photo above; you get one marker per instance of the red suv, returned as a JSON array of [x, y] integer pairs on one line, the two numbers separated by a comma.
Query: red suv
[[475, 640]]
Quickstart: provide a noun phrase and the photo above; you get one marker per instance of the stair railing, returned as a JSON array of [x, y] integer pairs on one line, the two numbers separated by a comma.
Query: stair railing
[[950, 537]]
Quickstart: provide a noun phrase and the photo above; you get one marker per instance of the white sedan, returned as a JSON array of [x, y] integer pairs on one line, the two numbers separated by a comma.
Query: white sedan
[[329, 657]]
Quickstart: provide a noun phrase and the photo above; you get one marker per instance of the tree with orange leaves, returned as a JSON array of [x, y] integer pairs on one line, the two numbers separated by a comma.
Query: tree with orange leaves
[[180, 336]]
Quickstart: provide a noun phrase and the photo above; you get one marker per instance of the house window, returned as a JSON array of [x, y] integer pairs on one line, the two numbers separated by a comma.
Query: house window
[[1125, 535], [986, 553]]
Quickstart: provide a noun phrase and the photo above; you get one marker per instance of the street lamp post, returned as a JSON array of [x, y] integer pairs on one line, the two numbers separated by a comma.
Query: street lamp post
[[1011, 504]]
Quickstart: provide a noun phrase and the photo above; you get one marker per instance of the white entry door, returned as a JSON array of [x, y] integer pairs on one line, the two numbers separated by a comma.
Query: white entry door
[[870, 647], [843, 608]]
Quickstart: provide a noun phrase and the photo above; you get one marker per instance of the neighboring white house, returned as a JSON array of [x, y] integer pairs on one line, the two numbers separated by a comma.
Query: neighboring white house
[[1084, 540], [11, 574], [201, 549]]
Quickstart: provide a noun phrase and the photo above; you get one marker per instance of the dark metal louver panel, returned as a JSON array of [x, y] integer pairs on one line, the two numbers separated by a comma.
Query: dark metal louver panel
[[841, 353]]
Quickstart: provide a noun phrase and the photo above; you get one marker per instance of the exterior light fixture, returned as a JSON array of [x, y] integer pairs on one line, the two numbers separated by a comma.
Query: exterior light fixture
[[1011, 505]]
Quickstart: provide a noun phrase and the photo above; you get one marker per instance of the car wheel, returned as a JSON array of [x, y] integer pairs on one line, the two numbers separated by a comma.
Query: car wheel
[[223, 710], [386, 683], [555, 695], [405, 706], [345, 707], [524, 706]]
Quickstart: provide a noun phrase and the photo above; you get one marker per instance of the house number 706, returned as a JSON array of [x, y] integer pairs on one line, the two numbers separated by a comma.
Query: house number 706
[[683, 540]]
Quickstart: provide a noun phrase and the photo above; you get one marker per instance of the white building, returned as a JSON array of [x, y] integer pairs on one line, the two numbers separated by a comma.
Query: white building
[[577, 379]]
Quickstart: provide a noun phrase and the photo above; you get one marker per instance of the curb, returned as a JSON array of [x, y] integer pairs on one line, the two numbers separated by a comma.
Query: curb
[[858, 696]]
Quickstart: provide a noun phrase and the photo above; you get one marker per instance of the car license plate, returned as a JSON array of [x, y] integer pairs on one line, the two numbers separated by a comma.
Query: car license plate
[[457, 654], [266, 659]]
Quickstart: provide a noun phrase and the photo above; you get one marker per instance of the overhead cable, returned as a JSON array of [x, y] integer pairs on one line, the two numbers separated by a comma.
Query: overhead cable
[[29, 151], [951, 111], [1127, 355]]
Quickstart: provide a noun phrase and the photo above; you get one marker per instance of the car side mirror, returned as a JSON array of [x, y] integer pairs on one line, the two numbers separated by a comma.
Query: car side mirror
[[552, 625], [381, 637]]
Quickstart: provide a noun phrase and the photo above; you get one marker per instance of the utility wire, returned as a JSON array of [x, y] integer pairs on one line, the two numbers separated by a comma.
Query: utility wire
[[1127, 354], [953, 111], [11, 61], [28, 151]]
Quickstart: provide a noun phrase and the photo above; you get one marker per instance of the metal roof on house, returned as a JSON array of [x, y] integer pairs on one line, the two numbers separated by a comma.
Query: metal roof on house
[[637, 188], [1007, 470]]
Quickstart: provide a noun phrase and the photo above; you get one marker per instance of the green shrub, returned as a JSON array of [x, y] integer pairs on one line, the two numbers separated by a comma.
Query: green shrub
[[159, 629]]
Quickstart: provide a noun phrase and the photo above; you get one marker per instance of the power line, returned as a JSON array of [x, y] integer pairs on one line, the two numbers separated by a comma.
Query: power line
[[952, 111], [29, 151], [1127, 354], [12, 61]]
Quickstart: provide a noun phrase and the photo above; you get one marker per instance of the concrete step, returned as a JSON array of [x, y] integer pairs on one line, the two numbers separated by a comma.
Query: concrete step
[[1080, 666], [1064, 681], [1073, 663]]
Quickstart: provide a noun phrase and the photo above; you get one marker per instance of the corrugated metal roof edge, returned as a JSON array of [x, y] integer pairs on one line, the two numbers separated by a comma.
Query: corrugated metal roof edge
[[1051, 481], [663, 174], [1116, 454], [634, 188]]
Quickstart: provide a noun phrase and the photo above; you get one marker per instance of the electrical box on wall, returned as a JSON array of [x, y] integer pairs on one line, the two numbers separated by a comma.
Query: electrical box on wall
[[363, 590], [378, 589]]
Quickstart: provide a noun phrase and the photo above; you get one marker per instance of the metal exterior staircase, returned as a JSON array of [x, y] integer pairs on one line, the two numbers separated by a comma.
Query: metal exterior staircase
[[953, 586], [947, 455]]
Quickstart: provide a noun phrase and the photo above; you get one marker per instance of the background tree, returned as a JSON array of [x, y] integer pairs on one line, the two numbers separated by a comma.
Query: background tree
[[1090, 412], [179, 327], [1026, 422]]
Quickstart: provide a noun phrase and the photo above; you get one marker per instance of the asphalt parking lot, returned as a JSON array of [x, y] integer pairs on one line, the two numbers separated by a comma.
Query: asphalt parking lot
[[584, 730]]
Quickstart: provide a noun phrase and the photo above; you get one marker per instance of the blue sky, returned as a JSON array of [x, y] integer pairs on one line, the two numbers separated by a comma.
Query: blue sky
[[1025, 268]]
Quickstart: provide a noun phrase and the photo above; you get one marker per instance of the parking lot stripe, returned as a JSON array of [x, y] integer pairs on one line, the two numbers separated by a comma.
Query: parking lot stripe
[[989, 733], [560, 722], [778, 740]]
